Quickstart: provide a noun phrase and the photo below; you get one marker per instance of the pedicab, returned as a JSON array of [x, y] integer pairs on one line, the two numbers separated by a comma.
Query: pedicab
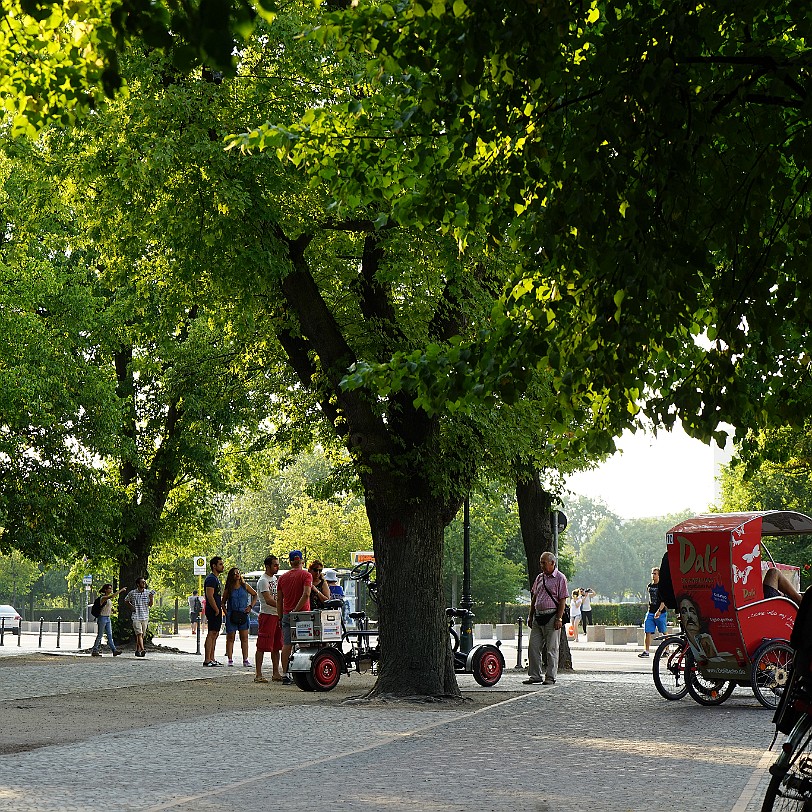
[[731, 633]]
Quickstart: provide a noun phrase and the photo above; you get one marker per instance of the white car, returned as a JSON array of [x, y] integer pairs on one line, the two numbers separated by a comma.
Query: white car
[[11, 617]]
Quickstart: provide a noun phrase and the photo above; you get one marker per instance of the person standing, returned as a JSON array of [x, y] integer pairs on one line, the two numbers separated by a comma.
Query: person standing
[[105, 601], [548, 597], [656, 615], [575, 612], [269, 634], [140, 601], [320, 590], [238, 598], [293, 594], [195, 610], [212, 589], [336, 591], [586, 608]]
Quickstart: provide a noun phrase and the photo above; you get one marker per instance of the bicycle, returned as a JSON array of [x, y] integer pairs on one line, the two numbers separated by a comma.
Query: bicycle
[[675, 674]]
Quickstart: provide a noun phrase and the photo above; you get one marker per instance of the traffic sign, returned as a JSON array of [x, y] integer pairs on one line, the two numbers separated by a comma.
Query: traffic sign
[[87, 580], [199, 562]]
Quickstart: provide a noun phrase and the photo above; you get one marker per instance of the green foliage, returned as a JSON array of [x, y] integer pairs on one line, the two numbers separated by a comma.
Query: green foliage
[[17, 575]]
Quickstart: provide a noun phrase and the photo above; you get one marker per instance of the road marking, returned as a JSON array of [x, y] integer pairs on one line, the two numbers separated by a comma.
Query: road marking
[[755, 779], [298, 767]]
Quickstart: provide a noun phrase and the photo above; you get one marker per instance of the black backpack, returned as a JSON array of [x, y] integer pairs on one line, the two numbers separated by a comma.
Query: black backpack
[[95, 610]]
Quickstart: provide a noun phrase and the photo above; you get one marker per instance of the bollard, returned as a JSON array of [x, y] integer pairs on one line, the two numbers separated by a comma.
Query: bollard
[[58, 630], [80, 632], [519, 644], [2, 630], [20, 632], [41, 621], [199, 621]]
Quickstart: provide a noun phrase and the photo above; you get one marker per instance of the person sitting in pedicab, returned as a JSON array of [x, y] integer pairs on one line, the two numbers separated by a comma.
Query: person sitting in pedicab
[[777, 585]]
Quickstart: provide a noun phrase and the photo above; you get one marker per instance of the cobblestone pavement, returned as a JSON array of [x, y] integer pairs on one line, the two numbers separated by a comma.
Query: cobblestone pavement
[[598, 739]]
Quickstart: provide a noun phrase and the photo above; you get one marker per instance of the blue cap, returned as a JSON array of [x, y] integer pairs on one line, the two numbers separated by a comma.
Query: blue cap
[[295, 554]]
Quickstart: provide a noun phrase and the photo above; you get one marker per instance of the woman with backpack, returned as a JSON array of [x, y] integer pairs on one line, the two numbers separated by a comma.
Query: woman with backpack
[[101, 610]]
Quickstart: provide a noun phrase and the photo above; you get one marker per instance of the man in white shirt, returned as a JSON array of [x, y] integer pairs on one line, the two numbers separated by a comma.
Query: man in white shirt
[[269, 634]]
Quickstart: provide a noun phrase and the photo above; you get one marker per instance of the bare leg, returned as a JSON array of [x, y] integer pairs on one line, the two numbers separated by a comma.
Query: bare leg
[[230, 644], [244, 643], [777, 580]]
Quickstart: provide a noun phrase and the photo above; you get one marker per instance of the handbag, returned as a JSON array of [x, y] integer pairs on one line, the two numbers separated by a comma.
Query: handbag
[[565, 616], [237, 617]]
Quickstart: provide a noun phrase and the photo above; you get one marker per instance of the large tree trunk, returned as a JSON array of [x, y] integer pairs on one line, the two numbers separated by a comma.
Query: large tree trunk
[[416, 658], [535, 509]]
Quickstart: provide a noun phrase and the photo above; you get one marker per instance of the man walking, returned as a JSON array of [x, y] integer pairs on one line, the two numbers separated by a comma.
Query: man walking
[[293, 595], [269, 634], [657, 613], [548, 597], [214, 611], [140, 601]]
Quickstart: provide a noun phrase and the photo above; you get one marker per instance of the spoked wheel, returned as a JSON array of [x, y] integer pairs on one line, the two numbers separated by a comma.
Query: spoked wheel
[[302, 680], [772, 666], [668, 668], [705, 690], [488, 665], [361, 571], [790, 788], [325, 671]]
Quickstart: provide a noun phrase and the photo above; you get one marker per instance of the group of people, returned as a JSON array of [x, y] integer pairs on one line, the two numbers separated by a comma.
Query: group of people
[[139, 600], [297, 590]]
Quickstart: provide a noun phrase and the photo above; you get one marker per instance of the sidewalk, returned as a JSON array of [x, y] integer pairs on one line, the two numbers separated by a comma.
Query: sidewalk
[[601, 738]]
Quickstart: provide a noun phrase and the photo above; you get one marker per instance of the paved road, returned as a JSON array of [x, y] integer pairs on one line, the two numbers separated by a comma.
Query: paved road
[[602, 738]]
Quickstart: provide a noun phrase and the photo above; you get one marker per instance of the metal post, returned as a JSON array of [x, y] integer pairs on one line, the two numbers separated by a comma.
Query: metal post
[[41, 621], [2, 631], [519, 644], [199, 621], [466, 622], [58, 629], [19, 632], [80, 632]]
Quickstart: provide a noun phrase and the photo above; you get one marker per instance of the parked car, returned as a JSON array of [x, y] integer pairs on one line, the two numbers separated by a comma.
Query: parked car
[[11, 618]]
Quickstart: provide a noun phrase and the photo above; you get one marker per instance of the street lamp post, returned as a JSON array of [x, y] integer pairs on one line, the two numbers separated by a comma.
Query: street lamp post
[[466, 622]]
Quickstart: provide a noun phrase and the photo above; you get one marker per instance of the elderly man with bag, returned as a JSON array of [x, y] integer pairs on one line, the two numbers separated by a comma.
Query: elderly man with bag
[[548, 601]]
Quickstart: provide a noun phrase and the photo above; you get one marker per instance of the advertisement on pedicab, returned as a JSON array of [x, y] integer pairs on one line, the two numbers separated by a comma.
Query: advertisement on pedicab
[[708, 582]]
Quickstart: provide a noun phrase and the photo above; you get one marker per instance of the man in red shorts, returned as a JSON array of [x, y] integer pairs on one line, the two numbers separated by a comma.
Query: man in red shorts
[[269, 635], [293, 595]]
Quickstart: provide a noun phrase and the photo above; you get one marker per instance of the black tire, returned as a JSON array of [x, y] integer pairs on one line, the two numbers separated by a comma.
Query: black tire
[[668, 668], [302, 680], [772, 666], [790, 788], [454, 639], [325, 671], [487, 665], [703, 690]]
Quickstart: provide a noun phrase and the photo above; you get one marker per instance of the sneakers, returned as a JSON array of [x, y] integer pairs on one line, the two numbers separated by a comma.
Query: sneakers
[[95, 654], [260, 679], [643, 654], [287, 680], [246, 663], [549, 681], [231, 662], [117, 652], [212, 664]]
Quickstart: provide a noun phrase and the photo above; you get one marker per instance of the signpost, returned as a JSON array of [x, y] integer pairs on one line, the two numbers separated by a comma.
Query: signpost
[[199, 564]]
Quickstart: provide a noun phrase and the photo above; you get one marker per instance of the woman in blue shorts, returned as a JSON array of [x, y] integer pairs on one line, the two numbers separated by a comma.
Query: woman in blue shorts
[[238, 598]]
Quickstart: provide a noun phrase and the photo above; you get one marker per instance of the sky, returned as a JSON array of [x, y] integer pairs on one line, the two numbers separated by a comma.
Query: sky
[[653, 476]]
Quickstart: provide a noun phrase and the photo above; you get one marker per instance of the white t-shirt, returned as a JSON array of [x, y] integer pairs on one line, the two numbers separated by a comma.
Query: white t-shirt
[[267, 583]]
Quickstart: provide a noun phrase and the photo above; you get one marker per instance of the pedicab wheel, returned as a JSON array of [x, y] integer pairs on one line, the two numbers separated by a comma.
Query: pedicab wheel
[[705, 690], [488, 665], [790, 788], [772, 666], [454, 639], [668, 668], [302, 680], [325, 671]]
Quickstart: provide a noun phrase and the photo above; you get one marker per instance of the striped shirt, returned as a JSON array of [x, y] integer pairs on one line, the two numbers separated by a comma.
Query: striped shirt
[[557, 584], [140, 603]]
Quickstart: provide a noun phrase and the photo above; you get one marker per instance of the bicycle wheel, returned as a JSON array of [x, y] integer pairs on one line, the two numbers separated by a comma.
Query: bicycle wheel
[[772, 666], [790, 788], [668, 667], [454, 639], [705, 690]]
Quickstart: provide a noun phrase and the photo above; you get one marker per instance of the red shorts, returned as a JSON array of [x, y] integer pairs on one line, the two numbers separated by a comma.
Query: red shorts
[[269, 634]]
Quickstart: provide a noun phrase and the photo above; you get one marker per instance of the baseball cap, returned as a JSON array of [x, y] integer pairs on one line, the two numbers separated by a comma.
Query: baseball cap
[[295, 554], [330, 575]]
